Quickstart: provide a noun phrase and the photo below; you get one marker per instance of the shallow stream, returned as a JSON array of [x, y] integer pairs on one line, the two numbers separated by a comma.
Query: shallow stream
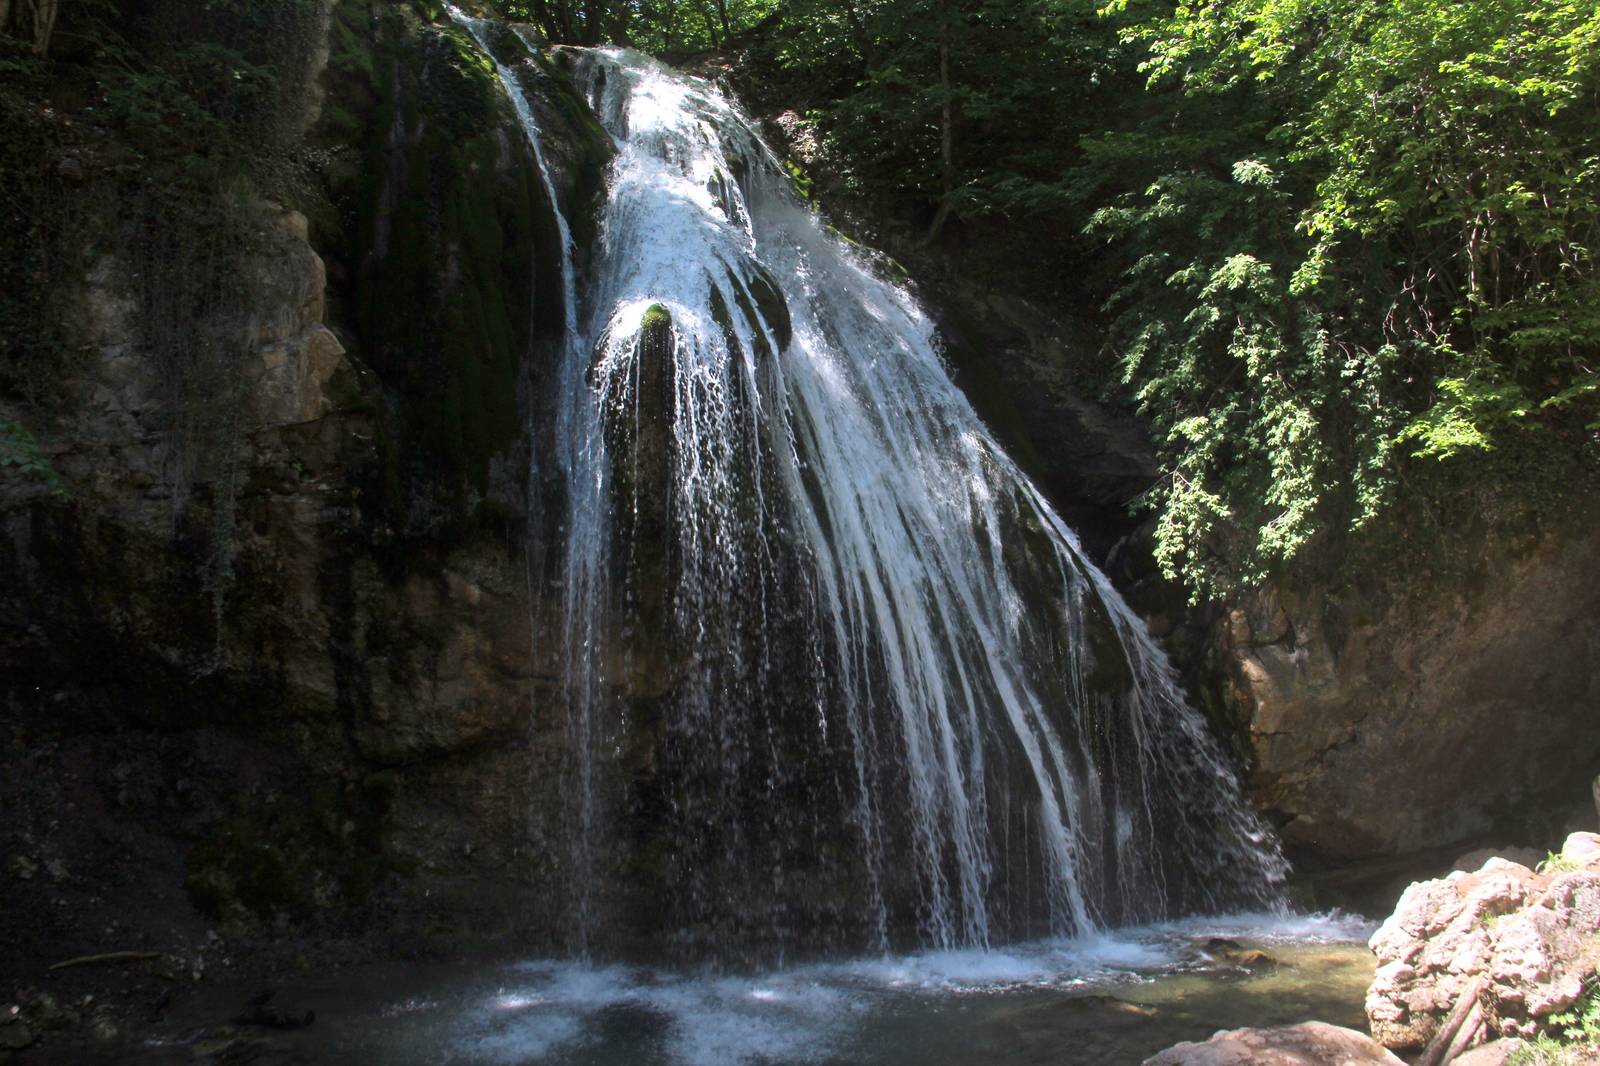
[[1112, 999]]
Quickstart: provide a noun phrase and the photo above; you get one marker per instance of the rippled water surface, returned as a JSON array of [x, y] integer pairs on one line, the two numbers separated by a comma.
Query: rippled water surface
[[1114, 999]]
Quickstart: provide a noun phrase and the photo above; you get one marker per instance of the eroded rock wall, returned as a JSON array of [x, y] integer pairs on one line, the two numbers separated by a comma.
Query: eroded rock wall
[[1383, 721], [274, 656]]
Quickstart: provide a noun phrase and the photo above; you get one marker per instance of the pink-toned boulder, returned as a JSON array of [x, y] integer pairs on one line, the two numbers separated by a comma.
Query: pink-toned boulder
[[1521, 943], [1545, 955], [1434, 945], [1308, 1044], [1494, 1053]]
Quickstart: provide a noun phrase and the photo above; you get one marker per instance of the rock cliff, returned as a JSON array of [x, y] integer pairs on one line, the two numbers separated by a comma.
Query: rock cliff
[[270, 633], [1386, 720]]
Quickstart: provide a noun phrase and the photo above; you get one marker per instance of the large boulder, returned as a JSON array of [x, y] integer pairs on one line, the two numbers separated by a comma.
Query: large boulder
[[1521, 944], [1307, 1044]]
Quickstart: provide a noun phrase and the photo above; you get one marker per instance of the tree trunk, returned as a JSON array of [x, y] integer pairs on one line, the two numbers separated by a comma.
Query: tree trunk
[[858, 33], [593, 25], [947, 143], [711, 24], [44, 23]]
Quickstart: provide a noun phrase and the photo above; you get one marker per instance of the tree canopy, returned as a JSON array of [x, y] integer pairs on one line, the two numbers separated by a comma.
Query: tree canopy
[[1343, 251], [1353, 240]]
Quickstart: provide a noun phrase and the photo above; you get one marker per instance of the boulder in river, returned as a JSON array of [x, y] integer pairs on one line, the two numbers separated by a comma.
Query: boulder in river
[[1307, 1044]]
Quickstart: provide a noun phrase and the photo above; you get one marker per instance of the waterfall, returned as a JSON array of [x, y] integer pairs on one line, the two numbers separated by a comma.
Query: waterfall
[[835, 672]]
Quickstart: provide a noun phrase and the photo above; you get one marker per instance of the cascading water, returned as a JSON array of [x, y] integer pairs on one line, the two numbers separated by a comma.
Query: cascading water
[[835, 672]]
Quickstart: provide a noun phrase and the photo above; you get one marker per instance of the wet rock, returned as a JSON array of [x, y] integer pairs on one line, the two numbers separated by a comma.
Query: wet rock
[[1308, 1044], [103, 1024], [44, 1012], [1256, 960], [1086, 1014], [15, 1036], [276, 1017]]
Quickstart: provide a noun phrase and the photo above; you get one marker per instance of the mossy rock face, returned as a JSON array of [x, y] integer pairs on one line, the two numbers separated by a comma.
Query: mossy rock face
[[448, 265]]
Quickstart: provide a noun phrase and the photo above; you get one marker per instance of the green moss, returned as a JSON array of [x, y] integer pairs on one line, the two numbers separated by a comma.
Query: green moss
[[443, 249], [588, 145], [803, 185], [454, 258], [655, 318]]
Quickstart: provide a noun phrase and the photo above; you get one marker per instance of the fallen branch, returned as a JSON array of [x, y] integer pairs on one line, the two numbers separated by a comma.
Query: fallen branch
[[110, 956], [1470, 1028], [1435, 1053]]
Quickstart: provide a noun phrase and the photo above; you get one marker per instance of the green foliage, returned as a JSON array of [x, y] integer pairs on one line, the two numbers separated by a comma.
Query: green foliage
[[1573, 1038], [970, 106], [1366, 242], [1353, 241], [209, 86], [670, 26], [18, 449]]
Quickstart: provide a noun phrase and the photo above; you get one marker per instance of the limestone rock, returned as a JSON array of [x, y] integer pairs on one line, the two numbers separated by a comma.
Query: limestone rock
[[298, 354], [1474, 860], [1494, 1053], [294, 373], [1386, 719], [1544, 956], [1522, 943], [1307, 1044]]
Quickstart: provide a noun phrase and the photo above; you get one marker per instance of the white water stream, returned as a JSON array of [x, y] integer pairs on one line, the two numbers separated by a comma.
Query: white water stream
[[882, 679]]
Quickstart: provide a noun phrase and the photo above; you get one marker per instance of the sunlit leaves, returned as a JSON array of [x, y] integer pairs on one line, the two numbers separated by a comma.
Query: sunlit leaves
[[1402, 264]]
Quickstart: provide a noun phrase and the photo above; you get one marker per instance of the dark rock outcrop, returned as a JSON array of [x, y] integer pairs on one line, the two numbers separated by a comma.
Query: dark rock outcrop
[[1383, 722], [275, 651]]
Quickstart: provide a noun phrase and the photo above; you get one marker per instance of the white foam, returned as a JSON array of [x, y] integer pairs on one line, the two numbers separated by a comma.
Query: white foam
[[1331, 927], [557, 1007], [545, 1011]]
